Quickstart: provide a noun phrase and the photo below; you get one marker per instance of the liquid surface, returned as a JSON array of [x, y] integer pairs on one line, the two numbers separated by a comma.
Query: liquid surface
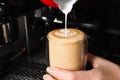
[[72, 35], [62, 32]]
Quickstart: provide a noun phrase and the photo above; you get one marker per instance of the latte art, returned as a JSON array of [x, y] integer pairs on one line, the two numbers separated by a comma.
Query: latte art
[[69, 33], [72, 35]]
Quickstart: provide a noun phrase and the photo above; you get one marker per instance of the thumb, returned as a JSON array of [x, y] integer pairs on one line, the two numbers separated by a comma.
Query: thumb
[[61, 74]]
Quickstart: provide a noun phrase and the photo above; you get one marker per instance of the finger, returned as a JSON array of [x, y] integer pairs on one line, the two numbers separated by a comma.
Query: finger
[[84, 75], [48, 77], [59, 74]]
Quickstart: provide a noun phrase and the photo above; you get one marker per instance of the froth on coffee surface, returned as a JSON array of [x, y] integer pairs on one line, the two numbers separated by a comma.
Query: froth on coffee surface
[[61, 33], [72, 35]]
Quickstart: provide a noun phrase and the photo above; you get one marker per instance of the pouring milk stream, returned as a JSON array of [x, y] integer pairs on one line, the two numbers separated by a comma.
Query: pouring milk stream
[[65, 6]]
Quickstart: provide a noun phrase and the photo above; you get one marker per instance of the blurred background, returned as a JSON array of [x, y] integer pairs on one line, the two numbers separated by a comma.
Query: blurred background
[[24, 25]]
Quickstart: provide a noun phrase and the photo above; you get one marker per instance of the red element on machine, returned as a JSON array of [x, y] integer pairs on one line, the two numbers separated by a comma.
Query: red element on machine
[[50, 3]]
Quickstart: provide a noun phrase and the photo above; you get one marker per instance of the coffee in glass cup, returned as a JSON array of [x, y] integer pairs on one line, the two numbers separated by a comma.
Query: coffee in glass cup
[[68, 52]]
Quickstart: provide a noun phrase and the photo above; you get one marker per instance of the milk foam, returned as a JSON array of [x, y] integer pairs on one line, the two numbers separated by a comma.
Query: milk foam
[[69, 33]]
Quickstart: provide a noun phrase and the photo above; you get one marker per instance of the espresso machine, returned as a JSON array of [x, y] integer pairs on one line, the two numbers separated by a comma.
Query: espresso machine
[[24, 25]]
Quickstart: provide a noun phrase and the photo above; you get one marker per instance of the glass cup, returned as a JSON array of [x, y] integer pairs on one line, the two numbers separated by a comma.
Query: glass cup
[[69, 52]]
